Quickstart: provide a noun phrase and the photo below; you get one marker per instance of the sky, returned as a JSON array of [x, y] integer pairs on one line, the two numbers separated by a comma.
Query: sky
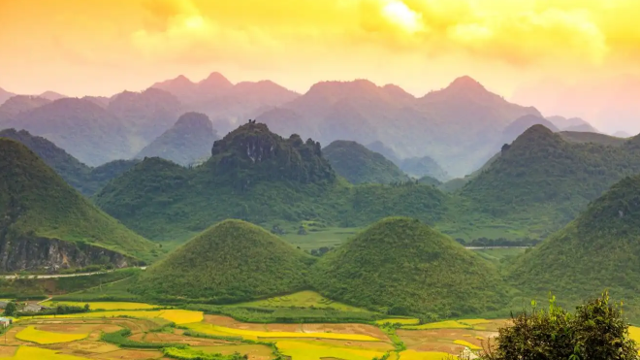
[[524, 50]]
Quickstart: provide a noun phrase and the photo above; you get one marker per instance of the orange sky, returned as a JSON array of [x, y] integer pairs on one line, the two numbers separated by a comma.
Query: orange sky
[[101, 47]]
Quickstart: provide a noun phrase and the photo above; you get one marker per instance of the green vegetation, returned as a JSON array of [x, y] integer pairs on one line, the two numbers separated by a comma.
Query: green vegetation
[[406, 268], [36, 203], [260, 177], [360, 165], [594, 252], [121, 339], [590, 137], [542, 181], [186, 353], [85, 179], [230, 262], [596, 330], [39, 287]]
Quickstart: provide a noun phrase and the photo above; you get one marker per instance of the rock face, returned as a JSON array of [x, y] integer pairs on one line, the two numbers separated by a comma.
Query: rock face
[[34, 253], [252, 151]]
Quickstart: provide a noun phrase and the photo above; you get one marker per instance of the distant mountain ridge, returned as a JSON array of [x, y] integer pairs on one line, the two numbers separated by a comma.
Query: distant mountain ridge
[[48, 225], [545, 177], [5, 95], [85, 179], [257, 176], [227, 104], [148, 113], [360, 165], [18, 104], [190, 139], [451, 125]]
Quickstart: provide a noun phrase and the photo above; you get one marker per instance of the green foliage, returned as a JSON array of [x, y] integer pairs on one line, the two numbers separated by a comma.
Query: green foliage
[[11, 309], [593, 252], [37, 288], [230, 262], [291, 183], [121, 339], [290, 315], [83, 178], [360, 165], [36, 203], [543, 179], [58, 310], [404, 266], [596, 331], [186, 353]]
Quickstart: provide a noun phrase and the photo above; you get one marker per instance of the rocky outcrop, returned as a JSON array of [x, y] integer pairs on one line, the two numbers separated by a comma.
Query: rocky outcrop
[[36, 253]]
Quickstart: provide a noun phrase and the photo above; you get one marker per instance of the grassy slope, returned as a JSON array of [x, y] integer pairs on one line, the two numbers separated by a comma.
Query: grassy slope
[[543, 181], [401, 263], [231, 261], [83, 178], [37, 202], [360, 165], [598, 250]]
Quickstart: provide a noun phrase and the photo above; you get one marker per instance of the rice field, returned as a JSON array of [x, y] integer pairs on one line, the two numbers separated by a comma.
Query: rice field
[[212, 329], [303, 299], [401, 321], [104, 305], [426, 355], [34, 353], [301, 350], [78, 336], [176, 316], [31, 334]]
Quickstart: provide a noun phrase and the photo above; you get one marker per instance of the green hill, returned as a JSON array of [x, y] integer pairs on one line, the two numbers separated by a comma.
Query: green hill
[[543, 181], [410, 269], [189, 140], [83, 178], [260, 177], [232, 261], [36, 205], [424, 167], [360, 165], [598, 250]]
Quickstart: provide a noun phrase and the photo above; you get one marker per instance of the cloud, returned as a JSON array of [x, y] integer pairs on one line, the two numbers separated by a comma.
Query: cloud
[[523, 32]]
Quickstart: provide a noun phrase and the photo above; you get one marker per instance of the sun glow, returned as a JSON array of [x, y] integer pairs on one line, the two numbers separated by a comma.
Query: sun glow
[[400, 14]]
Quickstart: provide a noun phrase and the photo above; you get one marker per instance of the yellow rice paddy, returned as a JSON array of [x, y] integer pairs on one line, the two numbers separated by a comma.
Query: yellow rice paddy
[[31, 334]]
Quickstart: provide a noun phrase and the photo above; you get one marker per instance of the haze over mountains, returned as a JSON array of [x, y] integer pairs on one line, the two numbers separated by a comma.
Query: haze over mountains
[[457, 128]]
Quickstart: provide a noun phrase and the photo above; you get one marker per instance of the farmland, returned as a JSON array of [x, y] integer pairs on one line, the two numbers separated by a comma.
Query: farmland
[[145, 331]]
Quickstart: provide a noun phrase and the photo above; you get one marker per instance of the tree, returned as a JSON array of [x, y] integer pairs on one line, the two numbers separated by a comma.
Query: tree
[[595, 331], [11, 309]]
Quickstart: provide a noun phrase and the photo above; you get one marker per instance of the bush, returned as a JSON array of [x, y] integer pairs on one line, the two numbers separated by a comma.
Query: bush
[[596, 331]]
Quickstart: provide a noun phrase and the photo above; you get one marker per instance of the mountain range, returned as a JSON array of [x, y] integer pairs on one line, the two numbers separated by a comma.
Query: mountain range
[[85, 179], [544, 177], [255, 175], [188, 141], [451, 125], [227, 104], [360, 165], [458, 128]]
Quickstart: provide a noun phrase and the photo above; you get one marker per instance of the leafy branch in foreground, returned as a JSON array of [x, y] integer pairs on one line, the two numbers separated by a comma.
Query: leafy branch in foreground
[[596, 330]]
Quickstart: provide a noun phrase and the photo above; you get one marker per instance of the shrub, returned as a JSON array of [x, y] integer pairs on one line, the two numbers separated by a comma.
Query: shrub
[[595, 331]]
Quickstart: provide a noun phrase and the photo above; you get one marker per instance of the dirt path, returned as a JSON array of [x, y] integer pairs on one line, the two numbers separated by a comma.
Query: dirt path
[[54, 276]]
